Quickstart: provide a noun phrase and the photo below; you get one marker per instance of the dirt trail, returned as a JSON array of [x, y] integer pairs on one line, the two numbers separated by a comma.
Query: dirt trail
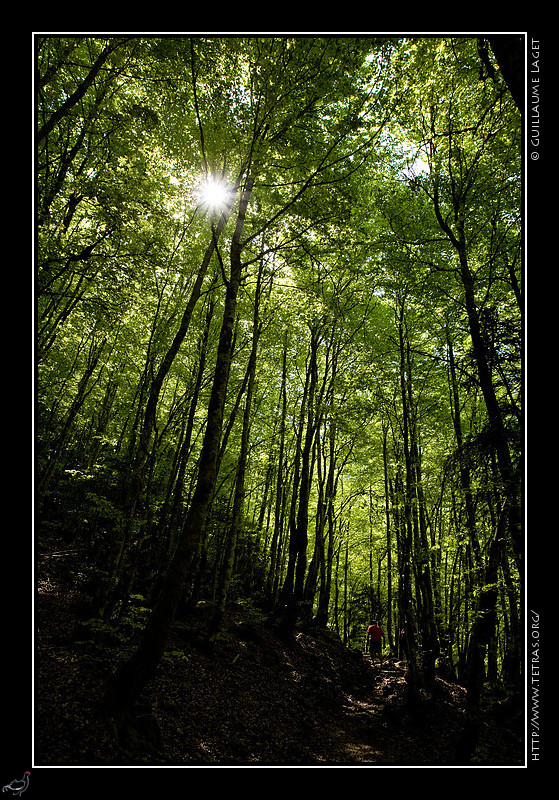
[[254, 700]]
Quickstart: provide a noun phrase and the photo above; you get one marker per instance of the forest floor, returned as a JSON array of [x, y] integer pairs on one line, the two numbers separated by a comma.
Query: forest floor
[[254, 699]]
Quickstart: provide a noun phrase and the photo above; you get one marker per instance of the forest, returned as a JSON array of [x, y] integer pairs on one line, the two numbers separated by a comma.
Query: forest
[[279, 336]]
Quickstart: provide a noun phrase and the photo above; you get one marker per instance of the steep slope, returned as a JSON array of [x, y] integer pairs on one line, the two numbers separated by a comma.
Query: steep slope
[[253, 699]]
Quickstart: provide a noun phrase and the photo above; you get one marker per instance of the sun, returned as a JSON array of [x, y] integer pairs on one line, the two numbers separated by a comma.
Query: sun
[[214, 194]]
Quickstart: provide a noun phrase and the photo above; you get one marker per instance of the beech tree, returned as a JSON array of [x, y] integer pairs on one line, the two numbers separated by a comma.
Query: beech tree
[[279, 309]]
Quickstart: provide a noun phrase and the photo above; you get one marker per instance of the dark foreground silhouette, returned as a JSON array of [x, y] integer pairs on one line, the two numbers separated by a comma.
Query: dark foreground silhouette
[[253, 698]]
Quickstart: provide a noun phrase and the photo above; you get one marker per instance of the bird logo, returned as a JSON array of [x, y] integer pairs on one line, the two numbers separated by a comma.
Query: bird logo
[[17, 787]]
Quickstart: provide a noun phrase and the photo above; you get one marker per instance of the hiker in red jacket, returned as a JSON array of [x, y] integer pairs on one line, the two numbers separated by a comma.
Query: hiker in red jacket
[[375, 639]]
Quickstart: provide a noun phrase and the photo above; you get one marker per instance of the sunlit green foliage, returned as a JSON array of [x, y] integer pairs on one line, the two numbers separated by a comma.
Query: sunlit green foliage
[[379, 165]]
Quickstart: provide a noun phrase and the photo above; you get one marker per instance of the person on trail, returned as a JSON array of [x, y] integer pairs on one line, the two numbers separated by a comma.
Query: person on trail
[[403, 643], [375, 639]]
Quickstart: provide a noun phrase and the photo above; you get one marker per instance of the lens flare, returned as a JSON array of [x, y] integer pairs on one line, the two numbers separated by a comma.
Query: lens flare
[[214, 194]]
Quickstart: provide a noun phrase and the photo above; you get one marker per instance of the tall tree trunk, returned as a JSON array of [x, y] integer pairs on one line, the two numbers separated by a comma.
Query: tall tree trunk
[[326, 486], [424, 581], [272, 579], [306, 474], [175, 513], [293, 588], [481, 635], [408, 526], [317, 559], [389, 622], [512, 660], [325, 591], [137, 478], [132, 676], [288, 586], [345, 638], [430, 637], [239, 498], [511, 484], [465, 482]]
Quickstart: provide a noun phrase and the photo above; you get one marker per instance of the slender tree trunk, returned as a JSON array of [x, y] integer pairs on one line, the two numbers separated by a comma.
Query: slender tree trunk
[[511, 486], [481, 636], [80, 90], [293, 588], [346, 587], [102, 421], [137, 478], [465, 482], [406, 597], [239, 498], [317, 559], [173, 525], [325, 446], [389, 622], [273, 572], [84, 388], [322, 613], [288, 587], [512, 661], [306, 475]]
